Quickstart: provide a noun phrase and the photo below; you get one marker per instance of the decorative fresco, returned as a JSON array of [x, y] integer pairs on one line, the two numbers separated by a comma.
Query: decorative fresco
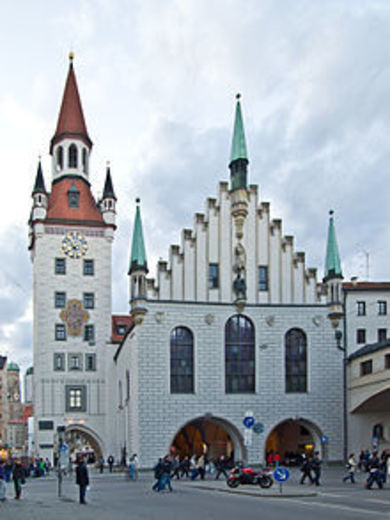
[[74, 316]]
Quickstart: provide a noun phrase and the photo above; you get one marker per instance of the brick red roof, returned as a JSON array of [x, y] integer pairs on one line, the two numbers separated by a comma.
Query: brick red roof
[[58, 208], [28, 411], [71, 122], [366, 286], [120, 321]]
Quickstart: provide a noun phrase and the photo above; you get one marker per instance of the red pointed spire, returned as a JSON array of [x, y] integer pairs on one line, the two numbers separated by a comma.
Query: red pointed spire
[[71, 121]]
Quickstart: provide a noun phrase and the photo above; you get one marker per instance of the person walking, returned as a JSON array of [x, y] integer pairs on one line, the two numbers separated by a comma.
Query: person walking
[[165, 479], [18, 476], [306, 470], [3, 487], [185, 466], [82, 479], [221, 467], [316, 466], [375, 472], [351, 467], [158, 471], [133, 466], [101, 464], [110, 461]]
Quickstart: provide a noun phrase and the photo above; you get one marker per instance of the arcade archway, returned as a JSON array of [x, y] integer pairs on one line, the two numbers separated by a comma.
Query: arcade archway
[[81, 440], [292, 438], [210, 435]]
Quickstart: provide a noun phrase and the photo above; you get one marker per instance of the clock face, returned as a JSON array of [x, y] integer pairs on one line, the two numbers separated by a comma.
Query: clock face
[[74, 244]]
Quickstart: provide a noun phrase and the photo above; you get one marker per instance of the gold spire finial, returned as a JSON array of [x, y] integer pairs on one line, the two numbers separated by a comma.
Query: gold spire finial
[[238, 96], [71, 56]]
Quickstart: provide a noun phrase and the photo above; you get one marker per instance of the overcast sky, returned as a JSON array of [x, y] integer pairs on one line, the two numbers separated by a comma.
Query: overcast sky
[[157, 79]]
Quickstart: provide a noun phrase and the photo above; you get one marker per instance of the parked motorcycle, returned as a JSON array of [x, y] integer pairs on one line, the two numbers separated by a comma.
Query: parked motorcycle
[[248, 476]]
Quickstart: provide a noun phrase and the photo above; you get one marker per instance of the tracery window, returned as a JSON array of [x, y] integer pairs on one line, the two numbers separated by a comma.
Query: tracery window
[[296, 361], [239, 355], [182, 361]]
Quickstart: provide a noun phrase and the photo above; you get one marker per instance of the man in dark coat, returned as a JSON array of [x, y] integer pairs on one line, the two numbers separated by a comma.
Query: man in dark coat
[[110, 461], [18, 476], [221, 466], [82, 479]]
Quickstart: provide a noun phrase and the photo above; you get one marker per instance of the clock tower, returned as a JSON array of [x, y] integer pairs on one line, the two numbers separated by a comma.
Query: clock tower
[[71, 236]]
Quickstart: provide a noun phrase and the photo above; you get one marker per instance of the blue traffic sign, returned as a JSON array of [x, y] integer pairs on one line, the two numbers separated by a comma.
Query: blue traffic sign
[[248, 422], [258, 427], [324, 439], [281, 474], [63, 447]]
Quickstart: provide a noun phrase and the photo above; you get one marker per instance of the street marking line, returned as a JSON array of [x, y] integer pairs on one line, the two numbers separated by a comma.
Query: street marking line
[[346, 508], [376, 500]]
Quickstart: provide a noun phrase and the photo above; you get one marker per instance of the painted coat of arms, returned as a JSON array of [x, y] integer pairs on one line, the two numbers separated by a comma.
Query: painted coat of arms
[[74, 316]]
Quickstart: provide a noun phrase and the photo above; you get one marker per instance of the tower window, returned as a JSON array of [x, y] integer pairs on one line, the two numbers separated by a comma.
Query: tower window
[[89, 333], [263, 278], [72, 156], [60, 332], [59, 300], [60, 266], [59, 362], [89, 300], [213, 276], [75, 362], [73, 196], [60, 158], [90, 362], [75, 399], [89, 268]]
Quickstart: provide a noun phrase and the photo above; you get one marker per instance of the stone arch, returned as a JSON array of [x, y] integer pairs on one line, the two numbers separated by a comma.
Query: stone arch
[[218, 434], [295, 435], [377, 401], [80, 438]]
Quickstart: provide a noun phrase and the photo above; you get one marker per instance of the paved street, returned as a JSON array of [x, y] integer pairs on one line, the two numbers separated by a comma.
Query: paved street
[[114, 496]]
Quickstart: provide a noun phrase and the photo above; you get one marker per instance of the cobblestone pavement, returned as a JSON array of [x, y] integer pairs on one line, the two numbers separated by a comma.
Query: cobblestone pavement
[[114, 496]]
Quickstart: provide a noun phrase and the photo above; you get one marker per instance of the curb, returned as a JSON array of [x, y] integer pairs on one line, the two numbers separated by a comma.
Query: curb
[[257, 495]]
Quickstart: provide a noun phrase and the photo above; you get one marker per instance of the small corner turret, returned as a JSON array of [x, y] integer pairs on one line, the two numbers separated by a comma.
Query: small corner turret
[[39, 195], [138, 270], [333, 275], [108, 201]]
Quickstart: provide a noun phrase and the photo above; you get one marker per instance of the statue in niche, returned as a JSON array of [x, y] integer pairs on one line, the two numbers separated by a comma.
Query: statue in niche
[[240, 258], [239, 287]]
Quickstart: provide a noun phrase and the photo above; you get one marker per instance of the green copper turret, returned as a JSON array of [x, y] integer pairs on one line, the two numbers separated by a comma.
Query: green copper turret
[[238, 156], [332, 263], [138, 260]]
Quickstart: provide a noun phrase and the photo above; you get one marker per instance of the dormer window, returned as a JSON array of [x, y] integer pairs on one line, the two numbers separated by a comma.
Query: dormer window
[[72, 156], [60, 158], [73, 196], [85, 160]]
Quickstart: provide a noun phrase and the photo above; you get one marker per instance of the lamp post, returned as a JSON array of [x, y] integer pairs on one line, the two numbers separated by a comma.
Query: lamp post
[[336, 313]]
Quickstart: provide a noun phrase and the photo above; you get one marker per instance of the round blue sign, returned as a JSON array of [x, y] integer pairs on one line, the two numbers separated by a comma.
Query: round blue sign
[[281, 474], [258, 427], [324, 439], [248, 422], [63, 447]]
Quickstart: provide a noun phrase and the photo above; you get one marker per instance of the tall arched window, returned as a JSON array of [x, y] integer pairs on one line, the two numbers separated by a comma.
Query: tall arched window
[[72, 156], [182, 361], [296, 361], [85, 160], [239, 355], [60, 158]]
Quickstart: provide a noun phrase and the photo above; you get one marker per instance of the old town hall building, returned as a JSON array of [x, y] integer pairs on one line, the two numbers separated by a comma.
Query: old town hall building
[[234, 323]]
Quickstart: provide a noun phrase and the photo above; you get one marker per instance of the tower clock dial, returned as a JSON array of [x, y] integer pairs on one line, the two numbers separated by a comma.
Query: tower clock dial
[[74, 244]]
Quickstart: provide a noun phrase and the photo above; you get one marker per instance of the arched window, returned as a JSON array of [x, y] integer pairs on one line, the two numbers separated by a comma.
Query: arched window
[[296, 361], [85, 160], [60, 158], [182, 361], [239, 355], [72, 156]]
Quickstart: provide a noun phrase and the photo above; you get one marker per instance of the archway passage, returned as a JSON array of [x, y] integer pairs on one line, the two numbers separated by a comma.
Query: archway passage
[[292, 439], [82, 442], [212, 437]]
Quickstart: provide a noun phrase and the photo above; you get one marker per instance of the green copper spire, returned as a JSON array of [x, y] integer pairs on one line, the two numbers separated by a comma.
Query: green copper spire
[[138, 255], [238, 156], [332, 265]]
